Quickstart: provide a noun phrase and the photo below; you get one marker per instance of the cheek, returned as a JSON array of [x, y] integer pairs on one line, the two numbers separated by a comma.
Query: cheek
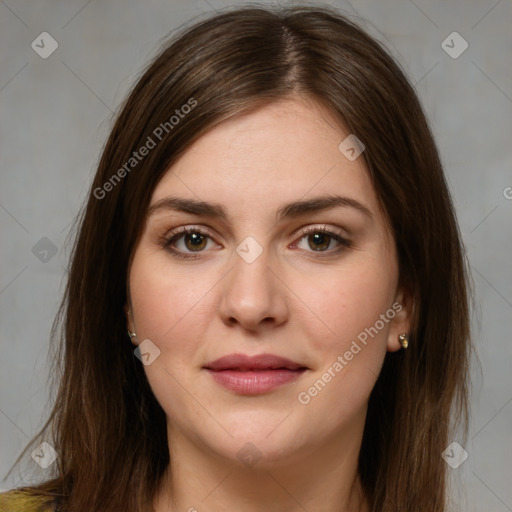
[[351, 351], [348, 301], [176, 307], [171, 309]]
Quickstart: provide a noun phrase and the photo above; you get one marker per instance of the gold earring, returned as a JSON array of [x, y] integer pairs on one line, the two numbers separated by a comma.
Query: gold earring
[[403, 341]]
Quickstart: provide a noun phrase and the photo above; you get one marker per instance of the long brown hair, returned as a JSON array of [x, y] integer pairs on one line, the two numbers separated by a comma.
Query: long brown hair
[[106, 425]]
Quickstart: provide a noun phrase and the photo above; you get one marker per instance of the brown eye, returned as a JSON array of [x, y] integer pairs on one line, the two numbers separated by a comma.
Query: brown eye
[[322, 241], [188, 242], [319, 241], [195, 241]]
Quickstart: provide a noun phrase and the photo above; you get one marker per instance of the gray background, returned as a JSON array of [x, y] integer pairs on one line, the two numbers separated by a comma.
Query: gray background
[[55, 114]]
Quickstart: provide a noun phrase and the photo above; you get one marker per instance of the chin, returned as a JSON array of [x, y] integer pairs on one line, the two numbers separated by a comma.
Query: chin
[[260, 440]]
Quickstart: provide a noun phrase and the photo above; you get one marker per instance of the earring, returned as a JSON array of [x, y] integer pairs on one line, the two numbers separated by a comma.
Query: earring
[[130, 333], [403, 341]]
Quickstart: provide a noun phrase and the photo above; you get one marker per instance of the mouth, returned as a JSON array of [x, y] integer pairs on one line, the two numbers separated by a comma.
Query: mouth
[[255, 375]]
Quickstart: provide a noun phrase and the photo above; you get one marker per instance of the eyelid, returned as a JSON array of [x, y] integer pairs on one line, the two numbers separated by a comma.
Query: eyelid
[[188, 229], [320, 228]]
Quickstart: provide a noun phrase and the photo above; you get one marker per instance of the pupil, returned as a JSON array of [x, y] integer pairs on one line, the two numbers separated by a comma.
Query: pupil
[[195, 239], [320, 240]]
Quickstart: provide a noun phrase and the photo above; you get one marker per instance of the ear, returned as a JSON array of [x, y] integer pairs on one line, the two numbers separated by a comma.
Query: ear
[[401, 323]]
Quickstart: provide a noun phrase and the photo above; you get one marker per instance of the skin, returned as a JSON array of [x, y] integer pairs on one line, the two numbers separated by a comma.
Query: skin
[[290, 301]]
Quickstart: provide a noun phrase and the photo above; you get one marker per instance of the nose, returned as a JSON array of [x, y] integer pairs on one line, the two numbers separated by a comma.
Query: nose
[[252, 296]]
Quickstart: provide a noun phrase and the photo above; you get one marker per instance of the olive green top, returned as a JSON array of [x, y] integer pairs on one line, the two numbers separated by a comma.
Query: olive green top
[[21, 501]]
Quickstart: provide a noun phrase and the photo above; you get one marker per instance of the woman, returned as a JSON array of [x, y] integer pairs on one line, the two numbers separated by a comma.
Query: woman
[[267, 303]]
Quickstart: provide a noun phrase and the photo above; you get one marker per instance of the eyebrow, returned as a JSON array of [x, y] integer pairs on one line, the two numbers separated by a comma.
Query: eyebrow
[[289, 210]]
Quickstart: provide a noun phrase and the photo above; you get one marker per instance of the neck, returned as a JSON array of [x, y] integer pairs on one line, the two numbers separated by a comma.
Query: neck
[[323, 478]]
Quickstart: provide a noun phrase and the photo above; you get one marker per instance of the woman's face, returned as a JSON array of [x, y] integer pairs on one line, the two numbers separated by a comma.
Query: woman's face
[[287, 256]]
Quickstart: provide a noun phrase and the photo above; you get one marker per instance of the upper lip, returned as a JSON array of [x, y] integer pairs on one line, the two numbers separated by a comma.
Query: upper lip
[[247, 363]]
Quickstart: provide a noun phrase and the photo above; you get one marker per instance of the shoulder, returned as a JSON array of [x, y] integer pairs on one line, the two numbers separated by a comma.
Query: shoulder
[[22, 501]]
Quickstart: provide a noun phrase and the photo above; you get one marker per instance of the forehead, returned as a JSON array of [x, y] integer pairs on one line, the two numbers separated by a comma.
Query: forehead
[[282, 152]]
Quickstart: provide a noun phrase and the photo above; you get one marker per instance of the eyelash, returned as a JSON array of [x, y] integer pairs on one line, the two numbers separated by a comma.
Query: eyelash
[[167, 241]]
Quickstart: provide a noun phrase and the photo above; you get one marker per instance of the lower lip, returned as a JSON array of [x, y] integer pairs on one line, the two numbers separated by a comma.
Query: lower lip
[[254, 382]]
